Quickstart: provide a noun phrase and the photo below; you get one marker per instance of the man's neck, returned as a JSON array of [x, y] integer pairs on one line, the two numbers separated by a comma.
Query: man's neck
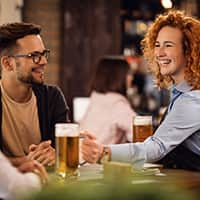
[[18, 92]]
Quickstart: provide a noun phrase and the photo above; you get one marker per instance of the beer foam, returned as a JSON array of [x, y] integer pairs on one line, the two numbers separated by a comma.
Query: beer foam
[[142, 120], [67, 129]]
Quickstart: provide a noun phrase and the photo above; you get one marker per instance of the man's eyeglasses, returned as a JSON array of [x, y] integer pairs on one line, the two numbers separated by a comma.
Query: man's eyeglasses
[[36, 56]]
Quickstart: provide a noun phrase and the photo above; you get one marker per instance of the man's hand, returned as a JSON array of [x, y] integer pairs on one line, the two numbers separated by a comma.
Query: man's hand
[[43, 153], [17, 161], [35, 167], [91, 150]]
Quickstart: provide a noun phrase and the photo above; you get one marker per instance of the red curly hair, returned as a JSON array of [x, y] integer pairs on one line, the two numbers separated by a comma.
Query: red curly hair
[[190, 28]]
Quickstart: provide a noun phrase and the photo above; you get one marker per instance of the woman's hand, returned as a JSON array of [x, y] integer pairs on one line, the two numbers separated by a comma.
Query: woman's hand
[[91, 150]]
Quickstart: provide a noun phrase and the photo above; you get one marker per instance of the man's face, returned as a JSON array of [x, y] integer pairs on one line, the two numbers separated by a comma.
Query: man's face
[[26, 70], [169, 53]]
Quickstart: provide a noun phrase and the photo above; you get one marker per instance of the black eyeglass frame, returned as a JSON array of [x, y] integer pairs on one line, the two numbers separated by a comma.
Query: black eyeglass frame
[[35, 56]]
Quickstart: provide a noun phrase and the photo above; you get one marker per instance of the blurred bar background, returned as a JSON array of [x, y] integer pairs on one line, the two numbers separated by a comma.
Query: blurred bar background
[[79, 32]]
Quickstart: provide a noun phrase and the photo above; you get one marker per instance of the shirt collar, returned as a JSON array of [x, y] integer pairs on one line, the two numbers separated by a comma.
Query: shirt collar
[[182, 87], [178, 89]]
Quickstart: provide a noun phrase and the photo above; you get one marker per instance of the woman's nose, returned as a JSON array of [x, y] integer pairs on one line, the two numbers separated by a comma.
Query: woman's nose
[[160, 51]]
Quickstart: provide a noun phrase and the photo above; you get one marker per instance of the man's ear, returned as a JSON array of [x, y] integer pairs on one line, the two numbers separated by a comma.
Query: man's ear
[[7, 63]]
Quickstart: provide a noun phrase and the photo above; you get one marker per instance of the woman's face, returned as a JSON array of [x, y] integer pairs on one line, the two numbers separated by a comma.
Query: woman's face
[[169, 53]]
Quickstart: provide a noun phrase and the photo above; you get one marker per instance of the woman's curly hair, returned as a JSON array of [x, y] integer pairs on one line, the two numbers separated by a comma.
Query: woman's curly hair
[[190, 28]]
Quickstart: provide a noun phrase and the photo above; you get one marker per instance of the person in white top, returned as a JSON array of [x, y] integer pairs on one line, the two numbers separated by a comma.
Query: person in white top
[[109, 115], [26, 178]]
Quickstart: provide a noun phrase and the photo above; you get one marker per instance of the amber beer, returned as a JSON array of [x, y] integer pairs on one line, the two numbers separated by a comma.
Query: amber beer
[[67, 149], [142, 128]]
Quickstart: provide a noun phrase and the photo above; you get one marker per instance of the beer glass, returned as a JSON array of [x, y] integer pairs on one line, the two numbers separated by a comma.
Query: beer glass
[[142, 128], [67, 149]]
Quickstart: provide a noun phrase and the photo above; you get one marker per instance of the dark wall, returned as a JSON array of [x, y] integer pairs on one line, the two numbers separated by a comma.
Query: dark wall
[[47, 13], [91, 29]]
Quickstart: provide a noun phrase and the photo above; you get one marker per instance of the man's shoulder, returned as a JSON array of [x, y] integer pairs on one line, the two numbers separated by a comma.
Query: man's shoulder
[[47, 89]]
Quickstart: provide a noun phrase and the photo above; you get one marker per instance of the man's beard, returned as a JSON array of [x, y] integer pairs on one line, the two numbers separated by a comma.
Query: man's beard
[[30, 80]]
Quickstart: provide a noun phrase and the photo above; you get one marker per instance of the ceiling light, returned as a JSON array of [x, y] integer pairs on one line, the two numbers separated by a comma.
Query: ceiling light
[[167, 4]]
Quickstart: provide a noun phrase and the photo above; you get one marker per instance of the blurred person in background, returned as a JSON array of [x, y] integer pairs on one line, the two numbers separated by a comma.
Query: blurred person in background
[[144, 97], [171, 46], [109, 115], [29, 109], [28, 177]]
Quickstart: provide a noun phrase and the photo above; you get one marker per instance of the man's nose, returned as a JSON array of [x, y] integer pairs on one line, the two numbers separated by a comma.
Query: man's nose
[[43, 60]]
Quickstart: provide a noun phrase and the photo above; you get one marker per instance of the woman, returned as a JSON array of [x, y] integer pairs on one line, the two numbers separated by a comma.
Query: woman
[[109, 115], [171, 46]]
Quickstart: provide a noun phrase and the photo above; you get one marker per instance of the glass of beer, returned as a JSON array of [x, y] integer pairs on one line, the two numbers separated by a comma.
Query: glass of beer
[[142, 128], [67, 149]]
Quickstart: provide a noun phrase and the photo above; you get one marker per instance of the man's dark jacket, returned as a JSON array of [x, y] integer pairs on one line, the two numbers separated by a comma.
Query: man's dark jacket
[[52, 109]]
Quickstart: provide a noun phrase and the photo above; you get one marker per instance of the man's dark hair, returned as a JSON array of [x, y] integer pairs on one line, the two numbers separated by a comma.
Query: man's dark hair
[[111, 75], [11, 32]]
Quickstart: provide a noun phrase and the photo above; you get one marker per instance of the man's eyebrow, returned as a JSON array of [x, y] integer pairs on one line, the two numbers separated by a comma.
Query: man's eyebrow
[[37, 52]]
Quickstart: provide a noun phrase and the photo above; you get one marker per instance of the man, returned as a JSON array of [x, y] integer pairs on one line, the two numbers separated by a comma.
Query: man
[[29, 109], [172, 48], [14, 183]]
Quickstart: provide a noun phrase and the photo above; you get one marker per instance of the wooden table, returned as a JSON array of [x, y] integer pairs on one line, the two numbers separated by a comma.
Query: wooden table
[[183, 178], [161, 183], [189, 180]]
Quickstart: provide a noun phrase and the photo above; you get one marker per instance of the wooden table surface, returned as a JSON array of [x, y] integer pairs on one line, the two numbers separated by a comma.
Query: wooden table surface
[[183, 178]]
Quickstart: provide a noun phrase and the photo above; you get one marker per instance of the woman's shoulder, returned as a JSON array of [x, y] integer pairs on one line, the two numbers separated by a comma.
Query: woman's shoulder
[[192, 94], [109, 97]]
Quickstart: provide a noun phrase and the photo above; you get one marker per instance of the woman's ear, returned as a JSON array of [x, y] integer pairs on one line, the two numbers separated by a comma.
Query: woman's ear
[[6, 63]]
